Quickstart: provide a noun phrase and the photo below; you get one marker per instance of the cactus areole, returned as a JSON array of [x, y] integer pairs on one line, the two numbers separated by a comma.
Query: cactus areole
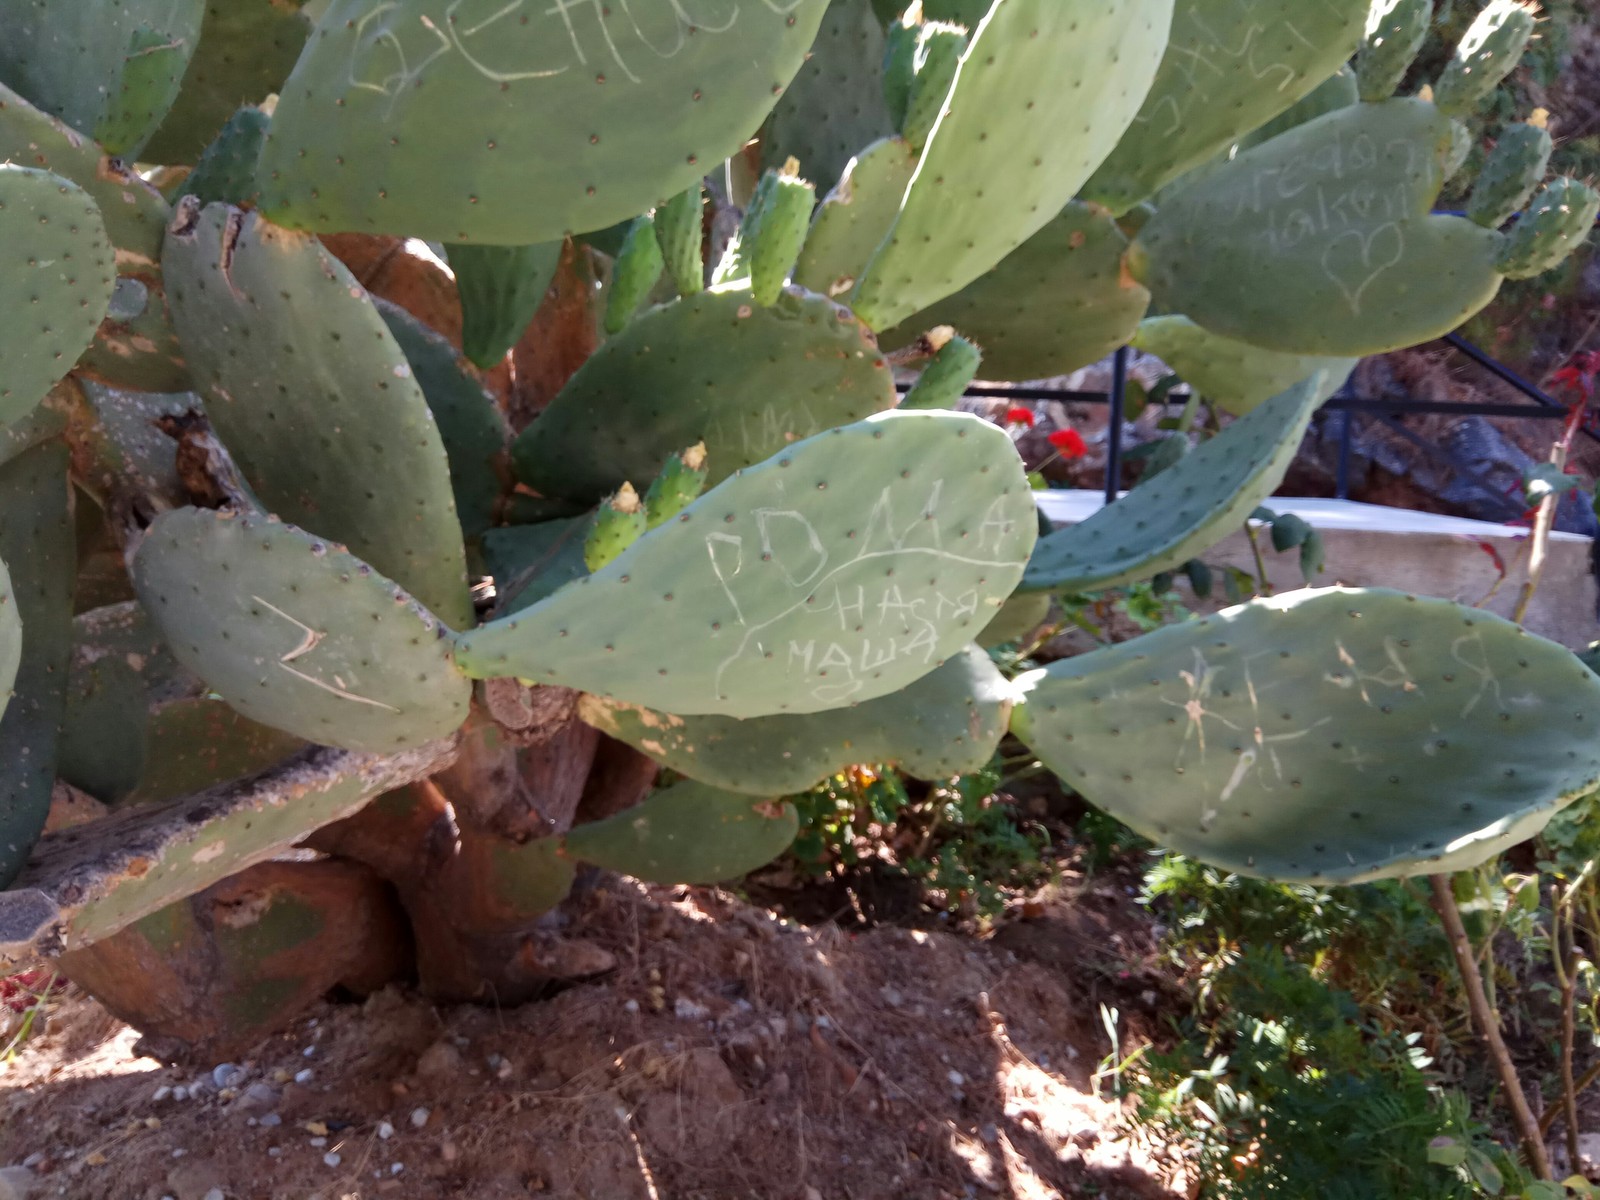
[[481, 461]]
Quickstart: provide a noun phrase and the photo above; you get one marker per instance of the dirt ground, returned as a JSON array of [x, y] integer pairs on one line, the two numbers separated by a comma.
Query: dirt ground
[[730, 1055]]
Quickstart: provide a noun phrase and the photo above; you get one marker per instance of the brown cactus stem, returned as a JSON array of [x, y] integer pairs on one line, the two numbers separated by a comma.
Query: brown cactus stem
[[1488, 1025], [87, 883], [206, 978]]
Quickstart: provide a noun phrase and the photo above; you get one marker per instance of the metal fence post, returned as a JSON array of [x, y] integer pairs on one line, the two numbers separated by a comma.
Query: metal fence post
[[1119, 407]]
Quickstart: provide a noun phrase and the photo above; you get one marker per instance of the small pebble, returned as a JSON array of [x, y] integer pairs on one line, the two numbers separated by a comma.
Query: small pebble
[[178, 1152], [180, 1093], [227, 1075], [448, 1152], [332, 1158], [632, 1006], [385, 1130], [689, 1010], [34, 1159], [303, 1076], [396, 1167], [319, 1142], [162, 1093], [215, 1194], [956, 1078], [271, 1119], [419, 1117], [273, 1151], [308, 1051]]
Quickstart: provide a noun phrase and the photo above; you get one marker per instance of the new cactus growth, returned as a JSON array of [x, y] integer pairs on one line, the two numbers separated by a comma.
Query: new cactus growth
[[679, 485], [952, 367], [1558, 220], [638, 267], [1488, 52], [619, 524], [1396, 30], [1512, 173], [357, 573]]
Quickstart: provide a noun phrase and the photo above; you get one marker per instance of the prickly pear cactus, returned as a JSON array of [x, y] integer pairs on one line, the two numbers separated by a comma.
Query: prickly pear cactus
[[432, 496], [366, 133], [1325, 736]]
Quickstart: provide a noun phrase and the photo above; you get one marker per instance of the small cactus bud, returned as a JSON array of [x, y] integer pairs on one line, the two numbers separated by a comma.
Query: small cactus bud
[[1512, 172], [680, 483], [1560, 217], [619, 523], [938, 54], [946, 377]]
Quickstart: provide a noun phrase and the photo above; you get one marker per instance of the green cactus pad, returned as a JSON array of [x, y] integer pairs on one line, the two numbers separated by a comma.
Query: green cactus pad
[[1487, 53], [38, 427], [476, 437], [306, 387], [1324, 736], [1511, 174], [120, 449], [501, 287], [1060, 302], [98, 67], [139, 728], [38, 547], [835, 105], [1229, 68], [1015, 147], [136, 346], [851, 221], [1559, 220], [226, 172], [840, 570], [298, 634], [946, 723], [10, 638], [1236, 376], [637, 271], [152, 71], [1396, 30], [530, 562], [687, 833], [579, 122], [1321, 241], [1186, 509], [938, 55], [1023, 614], [681, 233], [56, 272], [714, 367], [948, 374], [247, 49]]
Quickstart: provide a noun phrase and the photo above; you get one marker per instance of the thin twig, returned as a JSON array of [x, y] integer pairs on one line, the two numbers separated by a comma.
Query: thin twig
[[1545, 521], [1444, 903], [1261, 566], [1567, 982]]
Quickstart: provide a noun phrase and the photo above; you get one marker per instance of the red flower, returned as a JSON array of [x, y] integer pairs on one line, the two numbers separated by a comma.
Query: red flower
[[1069, 443], [1019, 416], [1579, 374]]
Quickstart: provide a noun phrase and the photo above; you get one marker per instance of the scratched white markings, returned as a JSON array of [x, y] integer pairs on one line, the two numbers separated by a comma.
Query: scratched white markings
[[758, 433], [1260, 755], [395, 46], [310, 639], [854, 628]]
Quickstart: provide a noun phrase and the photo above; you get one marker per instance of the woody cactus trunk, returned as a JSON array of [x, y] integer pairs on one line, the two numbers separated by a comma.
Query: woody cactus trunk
[[459, 451]]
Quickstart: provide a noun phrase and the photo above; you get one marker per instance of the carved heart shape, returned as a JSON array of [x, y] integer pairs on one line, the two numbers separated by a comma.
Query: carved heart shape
[[1354, 272]]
